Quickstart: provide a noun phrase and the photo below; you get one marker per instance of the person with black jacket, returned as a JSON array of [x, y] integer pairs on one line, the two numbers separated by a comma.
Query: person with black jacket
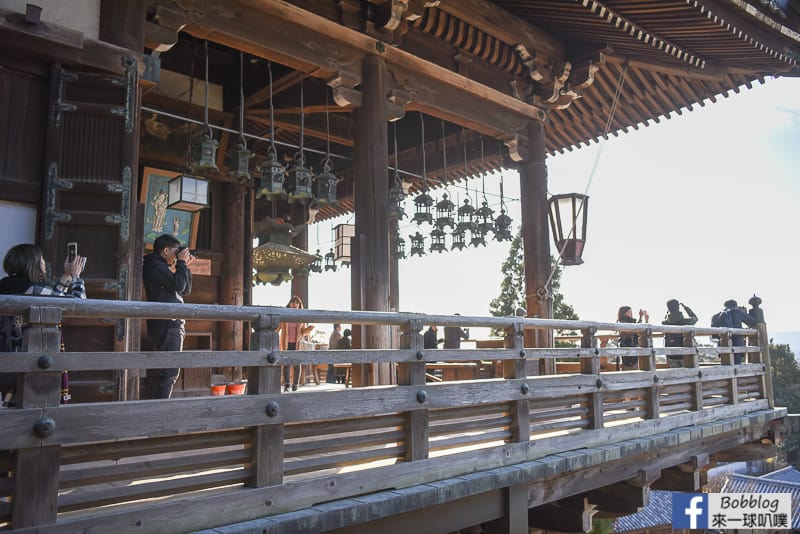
[[630, 339], [167, 278], [675, 317]]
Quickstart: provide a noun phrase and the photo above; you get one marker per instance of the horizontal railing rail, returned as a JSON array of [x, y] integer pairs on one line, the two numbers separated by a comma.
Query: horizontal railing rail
[[192, 463]]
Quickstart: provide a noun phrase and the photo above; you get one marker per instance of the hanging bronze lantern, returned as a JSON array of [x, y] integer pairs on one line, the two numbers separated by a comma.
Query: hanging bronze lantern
[[459, 240], [298, 181], [396, 198], [240, 160], [399, 249], [568, 218], [273, 175], [444, 213], [207, 162], [502, 227], [422, 208], [330, 262], [316, 265], [417, 244], [478, 238], [484, 218], [466, 214], [325, 185], [437, 241]]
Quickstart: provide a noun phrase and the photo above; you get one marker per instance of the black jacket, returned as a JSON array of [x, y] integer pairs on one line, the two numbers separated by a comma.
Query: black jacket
[[162, 285]]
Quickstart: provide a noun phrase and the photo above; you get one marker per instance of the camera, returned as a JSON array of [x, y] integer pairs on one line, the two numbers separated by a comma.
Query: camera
[[192, 252], [72, 252]]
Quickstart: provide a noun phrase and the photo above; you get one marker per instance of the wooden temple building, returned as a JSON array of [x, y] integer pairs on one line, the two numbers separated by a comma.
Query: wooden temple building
[[292, 113]]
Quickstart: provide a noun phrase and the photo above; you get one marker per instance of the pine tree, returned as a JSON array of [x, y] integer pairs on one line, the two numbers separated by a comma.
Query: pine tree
[[512, 288]]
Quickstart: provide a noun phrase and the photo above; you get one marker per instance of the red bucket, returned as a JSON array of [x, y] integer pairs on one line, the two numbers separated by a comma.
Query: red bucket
[[236, 388], [218, 390]]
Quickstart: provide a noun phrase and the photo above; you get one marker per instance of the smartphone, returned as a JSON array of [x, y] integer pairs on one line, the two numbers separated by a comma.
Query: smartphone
[[72, 252]]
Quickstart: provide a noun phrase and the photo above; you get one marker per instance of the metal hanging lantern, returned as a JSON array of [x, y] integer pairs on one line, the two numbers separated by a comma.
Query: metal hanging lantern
[[316, 265], [273, 176], [568, 218], [484, 218], [330, 263], [466, 214], [502, 227], [207, 161], [422, 208], [325, 185], [187, 193], [273, 171], [399, 249], [298, 181], [240, 158], [437, 241], [444, 213], [478, 238], [417, 244], [396, 198], [459, 240]]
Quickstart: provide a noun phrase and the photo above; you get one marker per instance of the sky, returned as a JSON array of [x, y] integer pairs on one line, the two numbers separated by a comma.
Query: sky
[[699, 207]]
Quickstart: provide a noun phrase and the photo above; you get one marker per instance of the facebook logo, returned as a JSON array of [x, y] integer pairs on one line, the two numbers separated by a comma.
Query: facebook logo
[[689, 510]]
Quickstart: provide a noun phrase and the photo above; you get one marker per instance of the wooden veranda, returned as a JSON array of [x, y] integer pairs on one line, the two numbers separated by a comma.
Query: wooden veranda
[[511, 452]]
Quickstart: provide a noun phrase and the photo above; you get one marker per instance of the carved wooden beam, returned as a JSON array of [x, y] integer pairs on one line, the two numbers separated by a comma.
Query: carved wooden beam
[[747, 453], [325, 49], [574, 515]]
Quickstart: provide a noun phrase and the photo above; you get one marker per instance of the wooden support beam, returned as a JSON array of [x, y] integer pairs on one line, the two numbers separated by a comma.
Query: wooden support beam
[[747, 453], [619, 498], [563, 516]]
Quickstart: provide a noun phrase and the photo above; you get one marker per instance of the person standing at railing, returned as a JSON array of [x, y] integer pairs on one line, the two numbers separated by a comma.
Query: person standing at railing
[[333, 344], [630, 339], [736, 317], [429, 339], [291, 334], [453, 336], [27, 275], [675, 317], [167, 278]]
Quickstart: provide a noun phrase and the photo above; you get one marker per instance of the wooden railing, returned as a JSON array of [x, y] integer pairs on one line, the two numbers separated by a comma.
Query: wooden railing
[[191, 463]]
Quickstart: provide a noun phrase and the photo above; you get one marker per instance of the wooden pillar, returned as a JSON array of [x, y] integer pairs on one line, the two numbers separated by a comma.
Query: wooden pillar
[[231, 280], [536, 239], [370, 163]]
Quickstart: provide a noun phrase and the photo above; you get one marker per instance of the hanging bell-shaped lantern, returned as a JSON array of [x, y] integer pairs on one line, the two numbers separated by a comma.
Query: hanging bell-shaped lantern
[[330, 262], [240, 160], [466, 214], [478, 238], [437, 241], [459, 240], [399, 250], [417, 244], [396, 198], [484, 218], [444, 213], [298, 181], [316, 265], [273, 174], [502, 227], [325, 185], [422, 208], [208, 155]]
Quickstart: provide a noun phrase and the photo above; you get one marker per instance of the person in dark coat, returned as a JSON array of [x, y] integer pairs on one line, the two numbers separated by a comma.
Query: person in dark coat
[[429, 339], [167, 278], [675, 317], [630, 339], [738, 317]]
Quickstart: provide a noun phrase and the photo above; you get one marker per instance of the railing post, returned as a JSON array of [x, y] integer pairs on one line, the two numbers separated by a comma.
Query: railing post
[[413, 374], [766, 359], [35, 498], [648, 363], [267, 444], [693, 361], [591, 366], [520, 411], [725, 342]]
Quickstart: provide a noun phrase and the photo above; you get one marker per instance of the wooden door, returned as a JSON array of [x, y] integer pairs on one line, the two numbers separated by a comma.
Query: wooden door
[[89, 197]]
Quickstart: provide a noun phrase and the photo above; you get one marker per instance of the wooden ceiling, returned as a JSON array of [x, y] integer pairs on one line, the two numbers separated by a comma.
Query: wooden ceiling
[[574, 59]]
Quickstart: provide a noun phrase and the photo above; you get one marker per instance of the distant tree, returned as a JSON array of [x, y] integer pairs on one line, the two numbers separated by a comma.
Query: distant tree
[[785, 377], [512, 288]]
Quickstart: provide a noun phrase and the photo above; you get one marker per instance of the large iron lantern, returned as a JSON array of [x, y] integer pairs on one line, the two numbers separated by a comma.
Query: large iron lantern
[[568, 216], [417, 244], [316, 265], [478, 238], [422, 208], [399, 249], [466, 222], [437, 240], [396, 198], [298, 181], [208, 155], [502, 227], [273, 174], [240, 160], [444, 213], [330, 262], [484, 218], [188, 193], [459, 240]]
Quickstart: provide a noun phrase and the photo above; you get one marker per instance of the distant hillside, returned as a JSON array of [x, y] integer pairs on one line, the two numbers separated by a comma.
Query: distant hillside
[[787, 338]]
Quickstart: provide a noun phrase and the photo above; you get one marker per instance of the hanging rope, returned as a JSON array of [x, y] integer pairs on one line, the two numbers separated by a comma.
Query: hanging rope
[[241, 100], [424, 168], [544, 291]]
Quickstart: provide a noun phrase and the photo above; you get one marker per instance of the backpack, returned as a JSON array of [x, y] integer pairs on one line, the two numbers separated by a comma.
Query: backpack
[[722, 319]]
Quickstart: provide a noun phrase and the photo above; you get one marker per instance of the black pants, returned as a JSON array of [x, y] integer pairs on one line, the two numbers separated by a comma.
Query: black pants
[[288, 368], [161, 381]]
